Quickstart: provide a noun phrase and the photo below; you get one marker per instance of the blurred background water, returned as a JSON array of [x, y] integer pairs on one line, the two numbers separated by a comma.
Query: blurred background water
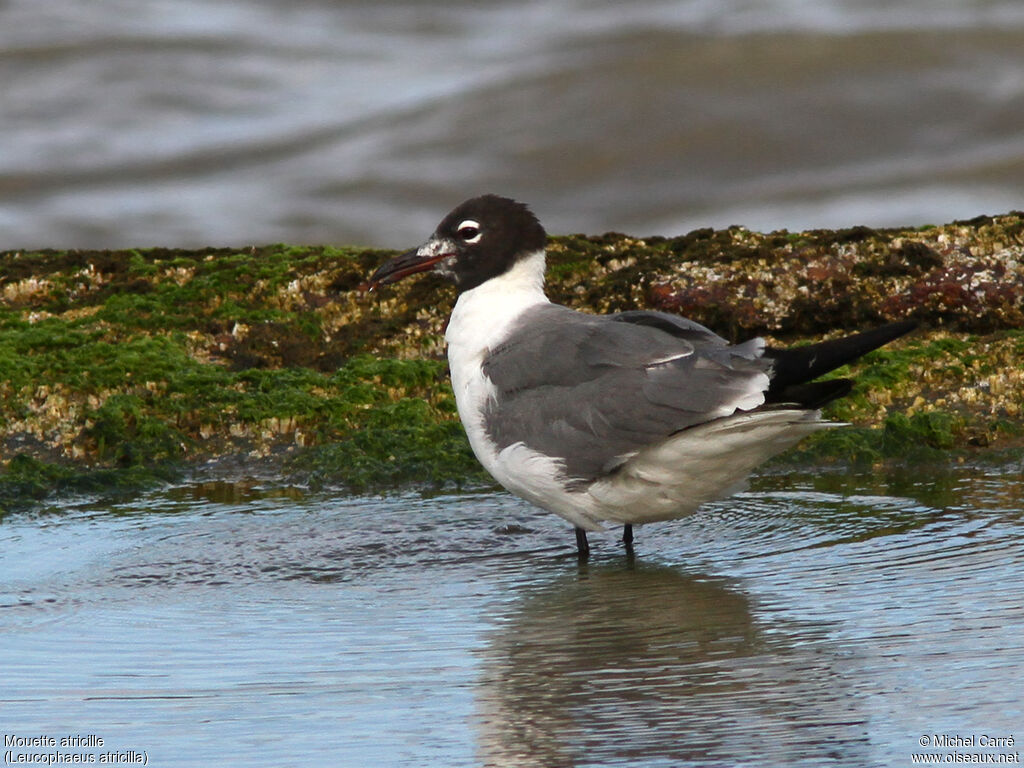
[[195, 122]]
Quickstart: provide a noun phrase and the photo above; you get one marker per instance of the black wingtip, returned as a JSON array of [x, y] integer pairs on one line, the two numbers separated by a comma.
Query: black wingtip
[[883, 334], [793, 368], [813, 394]]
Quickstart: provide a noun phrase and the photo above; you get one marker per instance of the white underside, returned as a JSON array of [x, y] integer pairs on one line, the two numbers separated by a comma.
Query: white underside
[[663, 482], [698, 465]]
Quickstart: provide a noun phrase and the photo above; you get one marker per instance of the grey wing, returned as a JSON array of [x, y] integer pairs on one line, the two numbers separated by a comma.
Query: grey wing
[[592, 391], [674, 325]]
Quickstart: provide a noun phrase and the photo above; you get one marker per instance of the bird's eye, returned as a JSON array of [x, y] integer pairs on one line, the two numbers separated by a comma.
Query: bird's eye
[[469, 231]]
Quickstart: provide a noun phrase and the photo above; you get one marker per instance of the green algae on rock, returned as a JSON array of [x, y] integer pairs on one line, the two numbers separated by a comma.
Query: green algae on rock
[[122, 361]]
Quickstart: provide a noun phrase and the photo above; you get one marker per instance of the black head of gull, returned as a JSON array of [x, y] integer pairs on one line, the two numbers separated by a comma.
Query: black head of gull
[[628, 418], [481, 239]]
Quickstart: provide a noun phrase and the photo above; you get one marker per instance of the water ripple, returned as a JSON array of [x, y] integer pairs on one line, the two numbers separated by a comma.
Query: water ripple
[[813, 620]]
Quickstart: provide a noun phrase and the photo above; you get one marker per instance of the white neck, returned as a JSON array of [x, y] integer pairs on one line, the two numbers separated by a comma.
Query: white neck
[[482, 316]]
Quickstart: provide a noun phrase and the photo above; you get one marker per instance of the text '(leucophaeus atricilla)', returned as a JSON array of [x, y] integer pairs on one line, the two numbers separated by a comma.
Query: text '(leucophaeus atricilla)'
[[628, 418]]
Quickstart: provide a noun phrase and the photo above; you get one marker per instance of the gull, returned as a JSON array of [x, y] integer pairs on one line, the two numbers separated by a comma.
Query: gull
[[625, 419]]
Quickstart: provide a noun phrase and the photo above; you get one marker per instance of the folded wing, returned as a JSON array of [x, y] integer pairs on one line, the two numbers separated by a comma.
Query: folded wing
[[592, 391]]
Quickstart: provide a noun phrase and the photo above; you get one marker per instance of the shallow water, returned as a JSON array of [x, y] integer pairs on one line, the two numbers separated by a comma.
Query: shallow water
[[814, 620], [206, 122]]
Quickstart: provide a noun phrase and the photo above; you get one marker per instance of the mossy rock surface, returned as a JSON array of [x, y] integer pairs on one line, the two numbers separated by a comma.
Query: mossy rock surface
[[119, 368]]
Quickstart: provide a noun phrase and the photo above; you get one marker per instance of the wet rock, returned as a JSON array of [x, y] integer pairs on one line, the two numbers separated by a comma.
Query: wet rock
[[273, 352]]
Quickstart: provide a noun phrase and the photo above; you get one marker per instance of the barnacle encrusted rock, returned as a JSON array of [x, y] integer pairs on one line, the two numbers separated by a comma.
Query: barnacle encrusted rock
[[123, 358]]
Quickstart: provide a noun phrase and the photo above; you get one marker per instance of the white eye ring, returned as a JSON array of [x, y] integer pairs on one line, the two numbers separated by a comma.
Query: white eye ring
[[469, 231]]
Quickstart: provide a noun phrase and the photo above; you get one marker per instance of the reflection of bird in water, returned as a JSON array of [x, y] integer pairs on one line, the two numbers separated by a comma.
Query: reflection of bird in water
[[627, 418], [649, 666]]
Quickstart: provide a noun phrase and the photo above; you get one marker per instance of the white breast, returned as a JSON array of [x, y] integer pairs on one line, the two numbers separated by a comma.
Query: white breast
[[481, 320]]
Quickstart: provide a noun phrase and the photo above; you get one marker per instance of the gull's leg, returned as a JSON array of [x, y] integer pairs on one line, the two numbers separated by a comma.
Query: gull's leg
[[582, 545], [627, 536]]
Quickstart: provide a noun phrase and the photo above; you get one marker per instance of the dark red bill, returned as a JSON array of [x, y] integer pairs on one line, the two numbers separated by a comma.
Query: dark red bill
[[403, 265]]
